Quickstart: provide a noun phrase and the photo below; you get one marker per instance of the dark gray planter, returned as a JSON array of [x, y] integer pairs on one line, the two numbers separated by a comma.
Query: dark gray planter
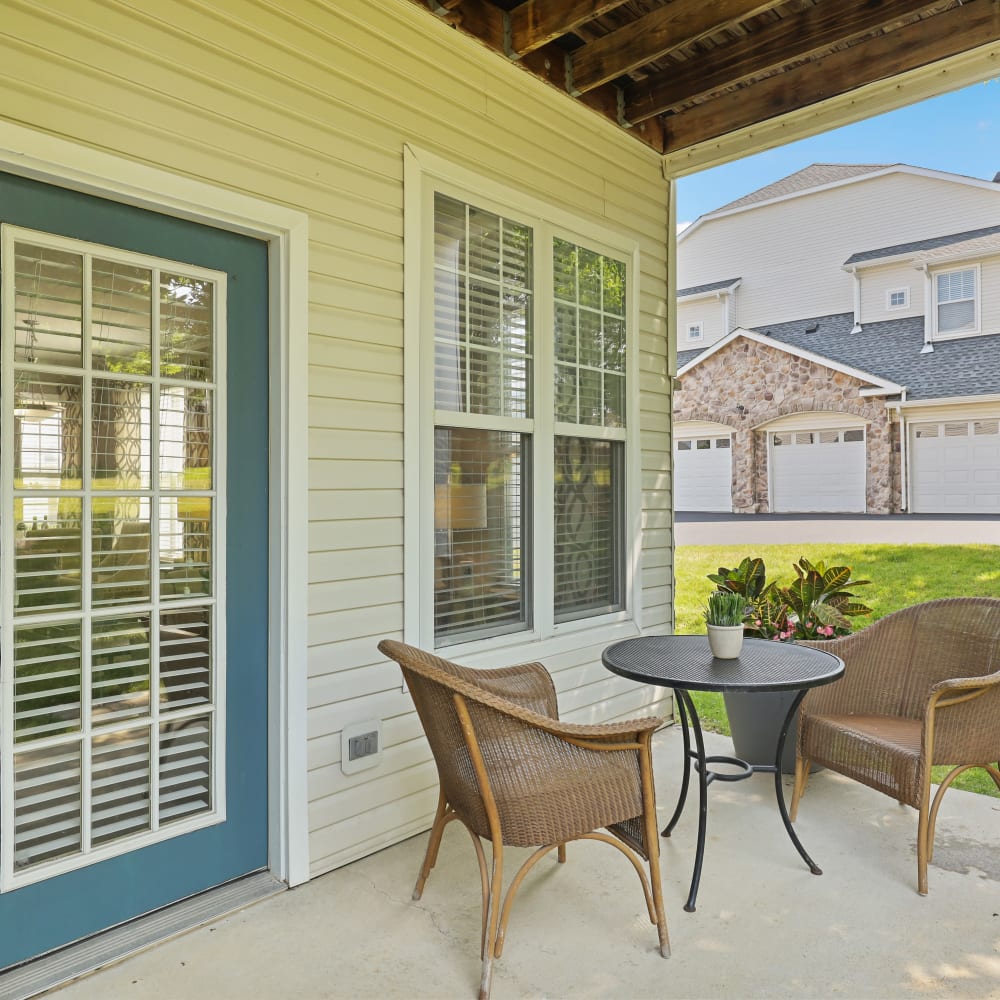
[[755, 722]]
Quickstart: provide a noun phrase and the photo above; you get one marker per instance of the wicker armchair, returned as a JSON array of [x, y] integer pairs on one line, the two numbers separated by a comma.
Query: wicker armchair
[[921, 687], [517, 776]]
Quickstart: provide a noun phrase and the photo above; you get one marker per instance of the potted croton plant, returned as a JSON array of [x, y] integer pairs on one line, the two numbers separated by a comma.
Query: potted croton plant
[[816, 606]]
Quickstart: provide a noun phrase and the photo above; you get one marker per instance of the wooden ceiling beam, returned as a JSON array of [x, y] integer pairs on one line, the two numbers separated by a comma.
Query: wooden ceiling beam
[[482, 19], [538, 22], [655, 35], [485, 21], [605, 100], [950, 33], [772, 46]]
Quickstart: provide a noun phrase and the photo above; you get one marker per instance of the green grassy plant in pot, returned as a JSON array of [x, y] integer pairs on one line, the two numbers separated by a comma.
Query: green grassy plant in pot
[[724, 614]]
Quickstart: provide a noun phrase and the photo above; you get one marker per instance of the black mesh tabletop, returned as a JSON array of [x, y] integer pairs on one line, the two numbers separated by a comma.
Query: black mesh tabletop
[[685, 661]]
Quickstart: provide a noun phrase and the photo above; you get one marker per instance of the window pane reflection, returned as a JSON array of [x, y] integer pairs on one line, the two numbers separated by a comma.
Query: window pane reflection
[[479, 533]]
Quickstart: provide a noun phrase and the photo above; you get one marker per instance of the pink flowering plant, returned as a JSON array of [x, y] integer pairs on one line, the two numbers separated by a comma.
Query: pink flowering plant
[[818, 604]]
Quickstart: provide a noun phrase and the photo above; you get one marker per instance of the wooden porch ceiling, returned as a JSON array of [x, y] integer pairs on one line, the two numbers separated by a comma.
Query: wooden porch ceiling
[[675, 73]]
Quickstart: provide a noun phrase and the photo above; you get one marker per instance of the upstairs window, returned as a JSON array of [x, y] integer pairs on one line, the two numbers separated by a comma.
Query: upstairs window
[[957, 307], [523, 449], [897, 298], [695, 331]]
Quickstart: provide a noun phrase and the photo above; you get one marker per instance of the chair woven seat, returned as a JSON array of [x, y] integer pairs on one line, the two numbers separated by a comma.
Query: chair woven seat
[[920, 687], [515, 775], [880, 751], [545, 805]]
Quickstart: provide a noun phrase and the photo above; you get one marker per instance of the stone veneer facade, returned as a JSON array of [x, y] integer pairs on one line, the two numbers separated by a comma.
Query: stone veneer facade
[[769, 383]]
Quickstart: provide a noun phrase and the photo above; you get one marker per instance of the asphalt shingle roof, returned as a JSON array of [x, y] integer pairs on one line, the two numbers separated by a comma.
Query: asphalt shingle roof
[[815, 175], [934, 243], [712, 286], [891, 350]]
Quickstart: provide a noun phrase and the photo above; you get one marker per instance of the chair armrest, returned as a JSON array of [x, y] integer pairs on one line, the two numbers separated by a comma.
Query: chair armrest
[[963, 717]]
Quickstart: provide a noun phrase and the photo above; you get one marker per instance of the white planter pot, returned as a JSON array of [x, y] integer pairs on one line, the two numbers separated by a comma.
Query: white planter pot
[[725, 641]]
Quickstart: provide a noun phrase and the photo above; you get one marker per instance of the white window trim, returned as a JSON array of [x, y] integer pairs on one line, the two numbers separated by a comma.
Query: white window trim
[[78, 167], [905, 290], [688, 326], [425, 173], [977, 302]]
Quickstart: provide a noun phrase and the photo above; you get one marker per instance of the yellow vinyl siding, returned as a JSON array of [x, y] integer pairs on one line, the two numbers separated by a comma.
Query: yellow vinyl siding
[[876, 282], [309, 104]]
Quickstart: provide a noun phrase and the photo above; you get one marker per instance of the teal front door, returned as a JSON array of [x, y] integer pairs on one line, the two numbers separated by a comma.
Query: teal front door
[[133, 563]]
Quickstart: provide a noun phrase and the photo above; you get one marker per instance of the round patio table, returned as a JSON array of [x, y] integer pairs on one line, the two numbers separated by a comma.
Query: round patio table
[[685, 663]]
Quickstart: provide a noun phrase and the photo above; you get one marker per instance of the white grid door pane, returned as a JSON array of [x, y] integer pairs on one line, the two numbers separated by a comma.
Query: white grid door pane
[[108, 727]]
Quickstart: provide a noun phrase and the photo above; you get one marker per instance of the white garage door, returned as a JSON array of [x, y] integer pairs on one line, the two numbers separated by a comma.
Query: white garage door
[[955, 467], [703, 473], [818, 470]]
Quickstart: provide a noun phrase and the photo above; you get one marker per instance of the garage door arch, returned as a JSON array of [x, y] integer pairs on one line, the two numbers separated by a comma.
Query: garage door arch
[[817, 462]]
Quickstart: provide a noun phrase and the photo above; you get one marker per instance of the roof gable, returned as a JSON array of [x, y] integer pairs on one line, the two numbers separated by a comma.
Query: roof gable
[[888, 351], [824, 177], [878, 383]]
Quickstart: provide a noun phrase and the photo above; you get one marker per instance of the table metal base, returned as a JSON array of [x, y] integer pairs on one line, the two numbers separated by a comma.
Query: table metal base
[[706, 776]]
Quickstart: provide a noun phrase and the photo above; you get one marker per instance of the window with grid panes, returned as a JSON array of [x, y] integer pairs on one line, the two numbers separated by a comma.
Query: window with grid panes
[[109, 720], [508, 409]]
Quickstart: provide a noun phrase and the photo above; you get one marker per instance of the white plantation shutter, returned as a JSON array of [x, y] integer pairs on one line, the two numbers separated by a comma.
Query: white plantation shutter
[[47, 804], [120, 785], [185, 774], [107, 733]]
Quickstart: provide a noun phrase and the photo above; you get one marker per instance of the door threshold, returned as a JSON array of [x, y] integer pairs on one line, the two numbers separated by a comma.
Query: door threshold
[[65, 964]]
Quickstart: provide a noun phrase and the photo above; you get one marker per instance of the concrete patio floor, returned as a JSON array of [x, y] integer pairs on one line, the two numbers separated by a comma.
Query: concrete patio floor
[[764, 926]]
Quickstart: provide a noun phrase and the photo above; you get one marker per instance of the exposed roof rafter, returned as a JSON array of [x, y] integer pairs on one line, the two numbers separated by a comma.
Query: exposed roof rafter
[[677, 73], [655, 35], [775, 45]]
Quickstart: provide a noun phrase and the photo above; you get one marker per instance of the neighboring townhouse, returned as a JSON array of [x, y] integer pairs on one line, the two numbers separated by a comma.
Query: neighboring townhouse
[[839, 346]]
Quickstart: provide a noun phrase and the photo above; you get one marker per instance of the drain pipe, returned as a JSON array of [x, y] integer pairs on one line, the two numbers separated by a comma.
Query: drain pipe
[[928, 347], [857, 301], [904, 472]]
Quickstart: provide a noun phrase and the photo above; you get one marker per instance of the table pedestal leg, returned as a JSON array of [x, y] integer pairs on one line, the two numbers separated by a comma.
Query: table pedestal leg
[[701, 764], [779, 791], [686, 778]]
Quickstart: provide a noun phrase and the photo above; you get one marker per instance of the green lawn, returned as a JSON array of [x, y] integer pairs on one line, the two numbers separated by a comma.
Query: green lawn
[[900, 575]]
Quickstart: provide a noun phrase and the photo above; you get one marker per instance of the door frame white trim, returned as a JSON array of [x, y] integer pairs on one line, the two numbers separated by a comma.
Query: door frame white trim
[[71, 165]]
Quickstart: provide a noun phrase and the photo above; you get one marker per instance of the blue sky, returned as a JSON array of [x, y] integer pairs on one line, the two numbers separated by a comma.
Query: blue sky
[[957, 132]]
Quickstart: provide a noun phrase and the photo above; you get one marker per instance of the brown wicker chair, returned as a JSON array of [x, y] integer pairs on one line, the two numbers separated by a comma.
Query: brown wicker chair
[[517, 776], [921, 687]]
